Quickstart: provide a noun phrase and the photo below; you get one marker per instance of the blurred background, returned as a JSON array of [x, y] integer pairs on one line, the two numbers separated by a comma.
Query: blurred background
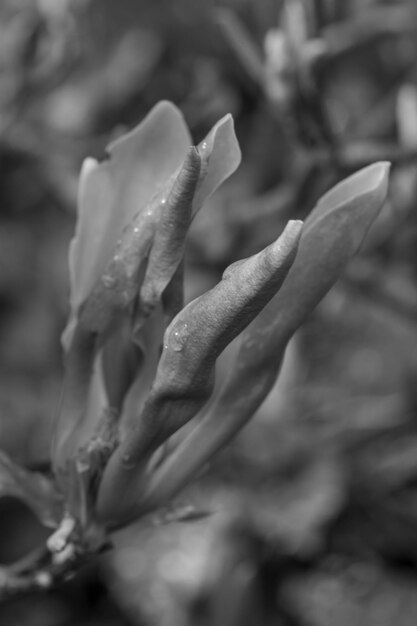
[[310, 517]]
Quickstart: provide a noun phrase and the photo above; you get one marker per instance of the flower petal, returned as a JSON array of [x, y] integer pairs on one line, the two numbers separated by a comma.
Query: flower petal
[[111, 192], [332, 234], [220, 155], [168, 244], [184, 379]]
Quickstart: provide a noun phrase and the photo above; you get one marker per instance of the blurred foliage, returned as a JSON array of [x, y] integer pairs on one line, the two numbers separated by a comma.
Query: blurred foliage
[[313, 508]]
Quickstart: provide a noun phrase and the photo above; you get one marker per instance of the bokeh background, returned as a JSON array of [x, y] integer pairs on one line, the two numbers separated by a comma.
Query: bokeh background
[[310, 517]]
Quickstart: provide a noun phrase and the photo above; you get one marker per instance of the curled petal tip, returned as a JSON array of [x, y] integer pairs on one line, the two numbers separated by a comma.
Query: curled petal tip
[[88, 165], [291, 234], [221, 156], [294, 224], [281, 253]]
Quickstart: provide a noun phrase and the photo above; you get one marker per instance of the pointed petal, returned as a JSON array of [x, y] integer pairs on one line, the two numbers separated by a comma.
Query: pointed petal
[[111, 192], [184, 378], [202, 330], [332, 234], [220, 156], [168, 245]]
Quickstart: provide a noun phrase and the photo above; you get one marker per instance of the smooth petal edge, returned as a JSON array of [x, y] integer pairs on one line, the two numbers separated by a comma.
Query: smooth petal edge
[[222, 150], [95, 209], [209, 435], [163, 106], [364, 181], [88, 167]]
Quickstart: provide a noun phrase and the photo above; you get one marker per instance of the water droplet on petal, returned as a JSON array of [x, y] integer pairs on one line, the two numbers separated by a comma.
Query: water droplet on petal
[[127, 461], [179, 338], [108, 281]]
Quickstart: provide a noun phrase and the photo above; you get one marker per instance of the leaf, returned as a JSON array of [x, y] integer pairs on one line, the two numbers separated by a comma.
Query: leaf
[[332, 234], [32, 488], [192, 342]]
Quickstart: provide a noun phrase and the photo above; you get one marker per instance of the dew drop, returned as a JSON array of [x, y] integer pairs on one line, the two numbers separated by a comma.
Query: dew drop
[[108, 281], [127, 461], [179, 338]]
